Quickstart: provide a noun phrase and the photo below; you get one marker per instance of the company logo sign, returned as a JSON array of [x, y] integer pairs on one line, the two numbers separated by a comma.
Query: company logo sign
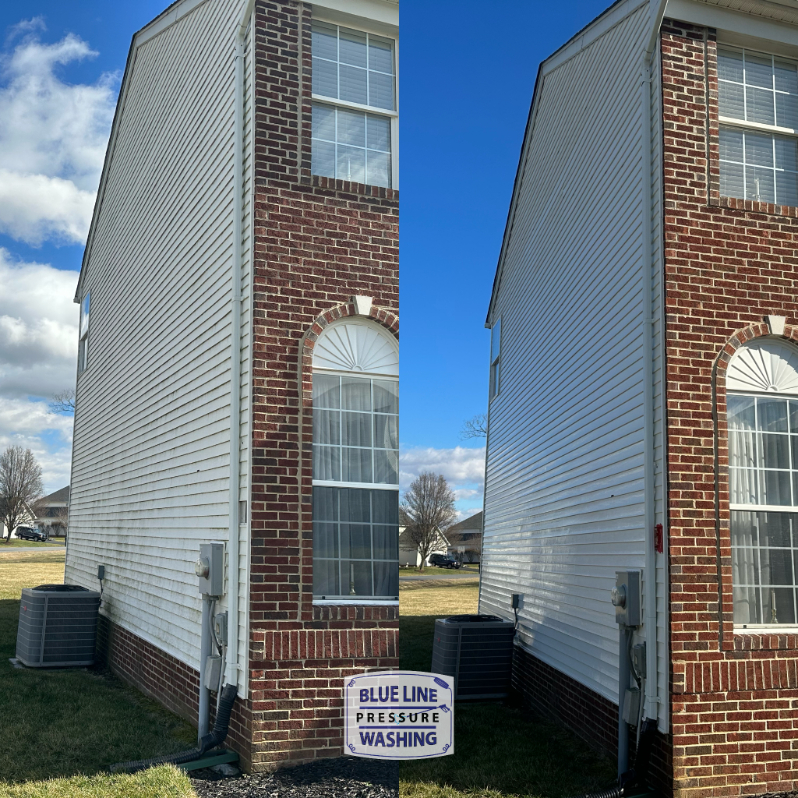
[[399, 715]]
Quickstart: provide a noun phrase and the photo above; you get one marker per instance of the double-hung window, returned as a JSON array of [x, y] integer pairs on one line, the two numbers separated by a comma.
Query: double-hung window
[[758, 109], [83, 342], [354, 106], [495, 357]]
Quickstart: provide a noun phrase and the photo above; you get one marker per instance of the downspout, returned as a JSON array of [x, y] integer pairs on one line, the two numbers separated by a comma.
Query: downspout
[[232, 666], [650, 583]]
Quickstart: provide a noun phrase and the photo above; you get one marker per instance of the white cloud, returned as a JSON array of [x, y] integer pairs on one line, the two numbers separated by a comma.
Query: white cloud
[[53, 137], [38, 329]]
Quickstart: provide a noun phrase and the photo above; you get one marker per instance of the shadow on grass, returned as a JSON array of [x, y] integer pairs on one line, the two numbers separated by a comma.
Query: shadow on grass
[[501, 749], [66, 721]]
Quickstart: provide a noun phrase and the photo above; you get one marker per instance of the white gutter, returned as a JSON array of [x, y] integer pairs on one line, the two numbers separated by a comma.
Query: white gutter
[[235, 353], [650, 576]]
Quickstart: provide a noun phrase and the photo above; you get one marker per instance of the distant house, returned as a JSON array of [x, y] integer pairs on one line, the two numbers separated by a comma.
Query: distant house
[[52, 513], [238, 364], [410, 556], [465, 538]]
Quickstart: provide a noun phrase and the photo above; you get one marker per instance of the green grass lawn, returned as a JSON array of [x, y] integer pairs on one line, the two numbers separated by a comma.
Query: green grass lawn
[[501, 749], [71, 724], [6, 545]]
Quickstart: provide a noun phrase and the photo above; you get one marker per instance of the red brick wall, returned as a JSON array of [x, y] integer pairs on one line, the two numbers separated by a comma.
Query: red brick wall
[[728, 263], [318, 243]]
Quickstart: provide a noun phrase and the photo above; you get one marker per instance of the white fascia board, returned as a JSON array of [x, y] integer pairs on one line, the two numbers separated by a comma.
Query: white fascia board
[[725, 20], [382, 14], [598, 27]]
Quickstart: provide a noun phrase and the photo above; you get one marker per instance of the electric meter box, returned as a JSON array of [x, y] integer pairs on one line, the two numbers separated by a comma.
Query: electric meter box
[[626, 598], [210, 569]]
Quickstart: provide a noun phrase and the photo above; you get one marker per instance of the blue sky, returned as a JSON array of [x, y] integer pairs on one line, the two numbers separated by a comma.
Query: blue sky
[[467, 74]]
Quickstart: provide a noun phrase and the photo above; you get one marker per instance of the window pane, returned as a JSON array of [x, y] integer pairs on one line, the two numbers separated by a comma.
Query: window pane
[[327, 463], [774, 529], [327, 426], [386, 432], [385, 506], [325, 504], [758, 70], [355, 394], [326, 391], [776, 488], [356, 578], [759, 106], [379, 133], [743, 449], [787, 188], [380, 54], [741, 413], [495, 340], [356, 429], [325, 540], [731, 180], [731, 100], [355, 505], [774, 451], [760, 184], [323, 122], [730, 65], [744, 486], [787, 110], [778, 606], [355, 541], [351, 164], [772, 415], [776, 566], [731, 144], [386, 578], [381, 90], [322, 161], [325, 78], [386, 397], [786, 153], [351, 128], [325, 578], [386, 466], [353, 47], [325, 41], [378, 169], [758, 149], [386, 542], [355, 465], [352, 84], [746, 602], [786, 76], [744, 528]]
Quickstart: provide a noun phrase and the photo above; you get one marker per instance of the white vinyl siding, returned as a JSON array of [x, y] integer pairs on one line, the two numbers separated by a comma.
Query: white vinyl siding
[[564, 504], [151, 453]]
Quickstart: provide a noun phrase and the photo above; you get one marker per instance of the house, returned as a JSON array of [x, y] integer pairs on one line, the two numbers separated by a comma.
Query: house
[[465, 538], [238, 366], [409, 554], [52, 513], [643, 378]]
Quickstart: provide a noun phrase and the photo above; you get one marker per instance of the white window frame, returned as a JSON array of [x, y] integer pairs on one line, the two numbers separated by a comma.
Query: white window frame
[[495, 361], [326, 483], [393, 115], [742, 124], [83, 334], [763, 508]]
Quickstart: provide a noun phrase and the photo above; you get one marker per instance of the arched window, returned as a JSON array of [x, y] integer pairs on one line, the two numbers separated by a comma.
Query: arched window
[[762, 412], [355, 463]]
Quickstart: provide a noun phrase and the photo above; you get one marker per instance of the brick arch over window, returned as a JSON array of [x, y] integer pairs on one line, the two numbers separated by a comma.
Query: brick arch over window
[[357, 307], [775, 329]]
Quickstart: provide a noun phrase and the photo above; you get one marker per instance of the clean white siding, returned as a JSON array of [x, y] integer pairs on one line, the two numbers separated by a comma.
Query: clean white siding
[[151, 457], [564, 492]]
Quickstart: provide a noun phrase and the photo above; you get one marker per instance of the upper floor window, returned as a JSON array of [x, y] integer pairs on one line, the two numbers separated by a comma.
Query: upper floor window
[[354, 108], [758, 108], [762, 412], [495, 357], [83, 343]]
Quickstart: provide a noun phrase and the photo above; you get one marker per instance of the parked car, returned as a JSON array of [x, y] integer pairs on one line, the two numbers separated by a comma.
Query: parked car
[[443, 561], [29, 533]]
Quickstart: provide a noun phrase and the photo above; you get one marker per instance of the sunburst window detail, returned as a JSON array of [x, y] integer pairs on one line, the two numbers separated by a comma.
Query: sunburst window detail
[[356, 347], [769, 366]]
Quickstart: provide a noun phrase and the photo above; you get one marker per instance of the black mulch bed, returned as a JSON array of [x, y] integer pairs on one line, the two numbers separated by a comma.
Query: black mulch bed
[[347, 777]]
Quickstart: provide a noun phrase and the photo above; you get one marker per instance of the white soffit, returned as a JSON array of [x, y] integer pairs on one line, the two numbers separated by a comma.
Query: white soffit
[[764, 366], [382, 13], [355, 346]]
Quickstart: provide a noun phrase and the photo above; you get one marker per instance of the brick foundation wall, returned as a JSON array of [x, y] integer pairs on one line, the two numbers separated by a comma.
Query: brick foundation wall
[[318, 243], [591, 716], [728, 263], [167, 680]]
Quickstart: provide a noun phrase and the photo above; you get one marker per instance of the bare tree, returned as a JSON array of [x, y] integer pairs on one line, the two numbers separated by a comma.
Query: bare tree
[[20, 486], [476, 427], [63, 402], [428, 509]]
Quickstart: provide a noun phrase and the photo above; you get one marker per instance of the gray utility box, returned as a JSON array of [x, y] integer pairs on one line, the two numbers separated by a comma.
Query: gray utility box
[[477, 650], [57, 626]]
